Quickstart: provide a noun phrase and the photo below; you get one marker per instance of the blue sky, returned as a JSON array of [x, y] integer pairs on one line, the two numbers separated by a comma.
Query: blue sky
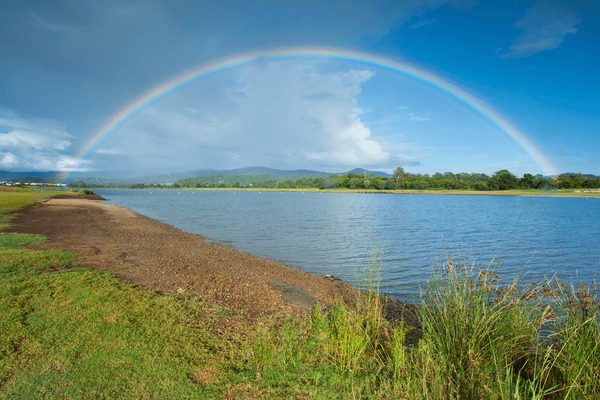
[[67, 67]]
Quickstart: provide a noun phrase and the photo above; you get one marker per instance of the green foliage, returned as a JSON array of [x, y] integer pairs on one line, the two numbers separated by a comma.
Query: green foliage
[[578, 341], [577, 181], [501, 180], [258, 181], [400, 180], [479, 338], [477, 328]]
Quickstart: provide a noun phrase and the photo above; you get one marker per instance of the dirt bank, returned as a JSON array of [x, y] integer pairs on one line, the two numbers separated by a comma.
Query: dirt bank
[[164, 259]]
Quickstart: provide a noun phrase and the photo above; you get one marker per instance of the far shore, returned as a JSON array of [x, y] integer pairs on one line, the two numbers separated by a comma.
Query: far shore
[[585, 193]]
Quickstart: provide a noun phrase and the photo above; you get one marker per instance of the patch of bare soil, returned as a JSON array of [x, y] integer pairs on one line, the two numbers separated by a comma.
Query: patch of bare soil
[[164, 259]]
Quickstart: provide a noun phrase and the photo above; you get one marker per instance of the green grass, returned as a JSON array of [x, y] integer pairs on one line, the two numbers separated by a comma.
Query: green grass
[[13, 199], [83, 334], [479, 338], [70, 332]]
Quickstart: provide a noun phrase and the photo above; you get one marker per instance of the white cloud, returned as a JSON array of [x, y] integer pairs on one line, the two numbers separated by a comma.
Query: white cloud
[[417, 118], [544, 27], [34, 145], [279, 114], [111, 151]]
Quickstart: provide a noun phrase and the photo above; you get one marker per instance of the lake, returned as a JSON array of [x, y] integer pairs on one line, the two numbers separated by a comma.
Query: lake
[[342, 233]]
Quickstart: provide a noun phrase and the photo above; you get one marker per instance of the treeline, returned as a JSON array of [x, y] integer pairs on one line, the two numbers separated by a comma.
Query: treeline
[[399, 180], [258, 181], [501, 180]]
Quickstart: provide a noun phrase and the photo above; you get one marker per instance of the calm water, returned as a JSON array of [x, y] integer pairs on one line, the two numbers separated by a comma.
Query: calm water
[[338, 234]]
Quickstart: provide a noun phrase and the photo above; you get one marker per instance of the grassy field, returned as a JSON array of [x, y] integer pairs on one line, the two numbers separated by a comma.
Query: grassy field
[[71, 332]]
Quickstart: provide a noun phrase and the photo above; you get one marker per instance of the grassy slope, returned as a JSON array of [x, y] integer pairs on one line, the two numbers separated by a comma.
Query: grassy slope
[[80, 333]]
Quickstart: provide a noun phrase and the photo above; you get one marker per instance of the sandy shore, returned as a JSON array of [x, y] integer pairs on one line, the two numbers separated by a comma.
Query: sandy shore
[[167, 260]]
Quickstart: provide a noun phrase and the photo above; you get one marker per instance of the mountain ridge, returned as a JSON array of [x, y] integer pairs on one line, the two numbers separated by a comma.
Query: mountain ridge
[[169, 178]]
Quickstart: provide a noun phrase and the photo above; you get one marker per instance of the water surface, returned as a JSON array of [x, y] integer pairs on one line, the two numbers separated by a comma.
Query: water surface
[[341, 233]]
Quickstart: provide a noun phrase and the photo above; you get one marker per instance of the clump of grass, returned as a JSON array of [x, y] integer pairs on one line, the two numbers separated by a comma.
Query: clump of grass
[[349, 332], [577, 341], [19, 239], [479, 338], [14, 259], [478, 329]]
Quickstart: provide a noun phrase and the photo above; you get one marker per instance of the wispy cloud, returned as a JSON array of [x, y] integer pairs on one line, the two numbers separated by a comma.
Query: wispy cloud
[[422, 23], [543, 27], [417, 118]]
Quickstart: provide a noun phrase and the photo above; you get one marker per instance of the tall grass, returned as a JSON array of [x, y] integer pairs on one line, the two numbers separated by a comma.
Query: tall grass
[[577, 342], [478, 337]]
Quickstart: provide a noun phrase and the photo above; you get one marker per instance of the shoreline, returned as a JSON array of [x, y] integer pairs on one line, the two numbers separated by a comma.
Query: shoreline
[[575, 193], [166, 260]]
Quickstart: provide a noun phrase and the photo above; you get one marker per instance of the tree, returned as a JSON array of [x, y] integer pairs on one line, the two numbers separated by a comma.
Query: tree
[[399, 174], [527, 181], [503, 180]]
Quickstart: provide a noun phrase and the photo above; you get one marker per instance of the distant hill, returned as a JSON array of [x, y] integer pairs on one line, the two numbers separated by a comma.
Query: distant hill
[[362, 171], [30, 176], [245, 174], [91, 179], [255, 171], [584, 175]]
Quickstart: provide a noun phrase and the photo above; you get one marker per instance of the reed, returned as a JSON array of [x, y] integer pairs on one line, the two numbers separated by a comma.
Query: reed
[[478, 337]]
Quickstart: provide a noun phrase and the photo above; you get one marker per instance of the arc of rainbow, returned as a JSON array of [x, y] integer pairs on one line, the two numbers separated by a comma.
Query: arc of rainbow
[[133, 108]]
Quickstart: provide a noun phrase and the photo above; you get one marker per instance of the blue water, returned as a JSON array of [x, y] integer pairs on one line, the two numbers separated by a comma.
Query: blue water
[[341, 233]]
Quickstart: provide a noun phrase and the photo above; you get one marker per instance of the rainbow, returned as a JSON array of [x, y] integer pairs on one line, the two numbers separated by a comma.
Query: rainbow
[[137, 105]]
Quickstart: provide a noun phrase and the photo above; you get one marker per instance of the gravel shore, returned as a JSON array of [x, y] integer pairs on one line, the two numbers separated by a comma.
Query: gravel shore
[[167, 260]]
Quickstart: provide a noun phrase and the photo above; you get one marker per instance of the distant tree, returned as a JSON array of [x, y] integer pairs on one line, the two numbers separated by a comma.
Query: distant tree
[[503, 180], [573, 181], [355, 183], [399, 174], [78, 184], [481, 185], [527, 181]]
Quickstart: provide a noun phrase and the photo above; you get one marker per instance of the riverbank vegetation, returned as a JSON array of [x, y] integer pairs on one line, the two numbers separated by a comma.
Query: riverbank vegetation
[[400, 180], [72, 332]]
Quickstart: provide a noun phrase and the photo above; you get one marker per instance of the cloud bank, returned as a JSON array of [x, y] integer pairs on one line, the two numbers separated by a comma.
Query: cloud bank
[[278, 114], [34, 145]]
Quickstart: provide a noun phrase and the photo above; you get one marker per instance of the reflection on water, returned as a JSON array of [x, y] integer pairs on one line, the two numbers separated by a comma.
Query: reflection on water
[[341, 233]]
